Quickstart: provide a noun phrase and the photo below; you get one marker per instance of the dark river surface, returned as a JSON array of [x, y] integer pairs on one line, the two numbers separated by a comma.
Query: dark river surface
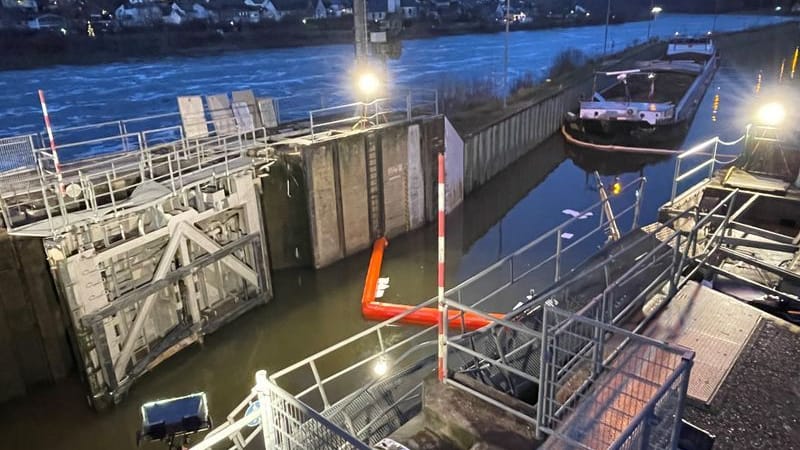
[[314, 309]]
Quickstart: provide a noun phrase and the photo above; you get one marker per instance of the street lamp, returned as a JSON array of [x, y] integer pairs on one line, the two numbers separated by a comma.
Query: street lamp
[[771, 114], [505, 56], [608, 18], [368, 84], [653, 13]]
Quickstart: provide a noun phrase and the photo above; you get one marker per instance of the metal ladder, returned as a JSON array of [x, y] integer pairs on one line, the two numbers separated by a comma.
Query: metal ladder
[[374, 191]]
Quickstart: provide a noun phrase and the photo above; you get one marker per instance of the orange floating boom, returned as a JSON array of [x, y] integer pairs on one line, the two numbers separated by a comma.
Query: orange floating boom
[[378, 311]]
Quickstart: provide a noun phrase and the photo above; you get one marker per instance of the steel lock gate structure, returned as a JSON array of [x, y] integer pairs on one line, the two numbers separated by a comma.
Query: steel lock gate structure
[[160, 278]]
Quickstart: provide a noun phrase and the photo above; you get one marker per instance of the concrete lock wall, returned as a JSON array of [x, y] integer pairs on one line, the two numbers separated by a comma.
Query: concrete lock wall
[[284, 206], [33, 341], [349, 205], [495, 147]]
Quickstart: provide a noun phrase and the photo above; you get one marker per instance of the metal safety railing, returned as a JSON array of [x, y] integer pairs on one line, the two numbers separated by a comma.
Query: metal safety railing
[[615, 396], [365, 114], [374, 395], [337, 379], [105, 186], [93, 157], [281, 421], [506, 356], [710, 164]]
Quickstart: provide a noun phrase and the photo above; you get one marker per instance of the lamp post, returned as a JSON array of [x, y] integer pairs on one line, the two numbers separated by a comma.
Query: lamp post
[[505, 58], [608, 18], [653, 13]]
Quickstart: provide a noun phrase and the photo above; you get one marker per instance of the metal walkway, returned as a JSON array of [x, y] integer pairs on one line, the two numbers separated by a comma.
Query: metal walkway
[[716, 326]]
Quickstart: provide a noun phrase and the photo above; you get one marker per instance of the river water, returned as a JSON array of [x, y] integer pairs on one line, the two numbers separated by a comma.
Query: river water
[[314, 309], [307, 77]]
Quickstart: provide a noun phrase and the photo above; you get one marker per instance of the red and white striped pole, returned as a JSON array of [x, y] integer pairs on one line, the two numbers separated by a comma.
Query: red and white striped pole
[[442, 347], [53, 149]]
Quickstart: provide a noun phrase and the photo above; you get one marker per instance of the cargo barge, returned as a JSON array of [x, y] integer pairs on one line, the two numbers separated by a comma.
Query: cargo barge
[[648, 106]]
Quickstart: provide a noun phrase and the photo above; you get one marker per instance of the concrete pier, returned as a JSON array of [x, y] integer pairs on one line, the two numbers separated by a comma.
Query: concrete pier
[[363, 185]]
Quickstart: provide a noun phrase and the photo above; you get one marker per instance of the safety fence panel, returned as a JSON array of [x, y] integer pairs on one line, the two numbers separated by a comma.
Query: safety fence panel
[[16, 161], [604, 387], [272, 418]]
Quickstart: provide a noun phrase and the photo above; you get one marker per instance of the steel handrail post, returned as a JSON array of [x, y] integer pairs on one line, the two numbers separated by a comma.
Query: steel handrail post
[[677, 265], [143, 151], [265, 405], [639, 197], [675, 180], [122, 135], [320, 384], [543, 378], [686, 366], [714, 160], [111, 194], [311, 123], [408, 105], [558, 255], [171, 175]]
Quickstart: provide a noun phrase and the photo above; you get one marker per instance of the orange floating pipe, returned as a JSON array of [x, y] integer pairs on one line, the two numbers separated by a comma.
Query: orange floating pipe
[[379, 311]]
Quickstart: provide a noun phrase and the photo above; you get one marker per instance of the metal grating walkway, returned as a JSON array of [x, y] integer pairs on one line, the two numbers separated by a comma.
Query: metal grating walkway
[[714, 325]]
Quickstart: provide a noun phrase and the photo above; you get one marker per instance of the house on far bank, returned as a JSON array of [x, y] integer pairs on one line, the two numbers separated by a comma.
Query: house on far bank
[[266, 9], [339, 8], [378, 10], [294, 8], [320, 10], [48, 22], [184, 11], [135, 13], [410, 9], [175, 15]]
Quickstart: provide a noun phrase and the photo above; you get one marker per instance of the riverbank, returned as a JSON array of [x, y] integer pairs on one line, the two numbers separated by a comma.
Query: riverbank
[[19, 51]]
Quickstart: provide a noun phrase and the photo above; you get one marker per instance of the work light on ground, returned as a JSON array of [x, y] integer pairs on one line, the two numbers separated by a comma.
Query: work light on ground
[[771, 114], [173, 420]]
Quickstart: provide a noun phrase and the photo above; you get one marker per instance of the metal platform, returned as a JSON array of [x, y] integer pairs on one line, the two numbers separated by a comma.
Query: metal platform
[[714, 325], [737, 178]]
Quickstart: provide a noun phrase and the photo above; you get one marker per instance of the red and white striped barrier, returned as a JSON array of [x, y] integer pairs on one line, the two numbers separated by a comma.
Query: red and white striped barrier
[[442, 349], [53, 149]]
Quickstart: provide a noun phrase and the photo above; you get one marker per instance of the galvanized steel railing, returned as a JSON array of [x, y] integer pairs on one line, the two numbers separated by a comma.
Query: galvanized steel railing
[[362, 115], [281, 421], [583, 351], [101, 164], [106, 185], [325, 381], [616, 396], [710, 163]]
